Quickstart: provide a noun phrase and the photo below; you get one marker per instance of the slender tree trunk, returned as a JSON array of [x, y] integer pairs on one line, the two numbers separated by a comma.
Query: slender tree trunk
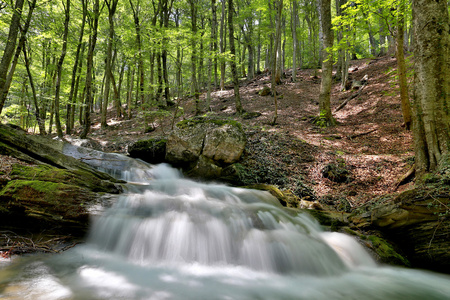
[[39, 120], [401, 66], [73, 91], [137, 26], [193, 6], [112, 6], [431, 116], [222, 46], [325, 116], [59, 69], [234, 72], [214, 39], [89, 69], [277, 42], [294, 40], [10, 46]]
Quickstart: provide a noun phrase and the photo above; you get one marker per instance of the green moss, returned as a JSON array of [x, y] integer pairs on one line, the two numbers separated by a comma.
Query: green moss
[[185, 124], [386, 251], [34, 189], [55, 175]]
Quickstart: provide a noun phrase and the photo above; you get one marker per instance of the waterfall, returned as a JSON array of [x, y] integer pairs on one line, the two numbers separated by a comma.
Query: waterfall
[[168, 237]]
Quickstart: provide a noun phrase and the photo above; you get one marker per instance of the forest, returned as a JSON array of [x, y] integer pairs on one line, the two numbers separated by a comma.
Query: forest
[[345, 104]]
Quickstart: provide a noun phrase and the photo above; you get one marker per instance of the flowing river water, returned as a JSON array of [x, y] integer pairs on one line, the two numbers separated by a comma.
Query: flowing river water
[[168, 237]]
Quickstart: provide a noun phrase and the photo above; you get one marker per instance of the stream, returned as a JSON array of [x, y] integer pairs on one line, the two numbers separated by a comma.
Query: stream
[[167, 237]]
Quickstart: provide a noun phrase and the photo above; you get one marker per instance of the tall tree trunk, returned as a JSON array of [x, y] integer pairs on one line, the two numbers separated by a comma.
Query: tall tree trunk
[[401, 66], [325, 117], [137, 27], [59, 68], [214, 38], [222, 46], [89, 69], [193, 6], [10, 46], [278, 5], [40, 122], [73, 91], [112, 6], [294, 40], [431, 123], [234, 72]]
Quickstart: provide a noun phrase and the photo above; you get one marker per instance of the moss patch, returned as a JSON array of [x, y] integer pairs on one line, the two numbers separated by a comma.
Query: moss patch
[[55, 175], [192, 122]]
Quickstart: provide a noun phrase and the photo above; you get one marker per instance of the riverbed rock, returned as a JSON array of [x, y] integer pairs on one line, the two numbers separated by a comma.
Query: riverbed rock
[[222, 142], [150, 150]]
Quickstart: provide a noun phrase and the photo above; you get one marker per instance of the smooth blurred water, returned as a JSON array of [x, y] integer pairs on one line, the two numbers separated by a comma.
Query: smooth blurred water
[[172, 238]]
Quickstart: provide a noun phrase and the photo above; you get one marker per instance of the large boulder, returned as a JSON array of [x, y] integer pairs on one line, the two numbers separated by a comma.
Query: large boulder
[[204, 146]]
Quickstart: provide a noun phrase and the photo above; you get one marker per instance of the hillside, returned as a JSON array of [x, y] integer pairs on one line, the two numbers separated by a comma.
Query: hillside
[[369, 146], [369, 142]]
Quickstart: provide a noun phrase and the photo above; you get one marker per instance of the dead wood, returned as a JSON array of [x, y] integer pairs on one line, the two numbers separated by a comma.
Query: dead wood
[[350, 98], [362, 134]]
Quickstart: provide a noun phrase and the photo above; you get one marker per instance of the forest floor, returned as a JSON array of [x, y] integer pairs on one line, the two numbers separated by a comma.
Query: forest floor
[[369, 140]]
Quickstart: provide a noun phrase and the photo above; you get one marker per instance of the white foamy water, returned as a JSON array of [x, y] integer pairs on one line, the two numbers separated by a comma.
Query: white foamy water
[[172, 238]]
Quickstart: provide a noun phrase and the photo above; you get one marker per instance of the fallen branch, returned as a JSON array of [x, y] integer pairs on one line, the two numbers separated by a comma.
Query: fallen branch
[[405, 177], [350, 98], [361, 134]]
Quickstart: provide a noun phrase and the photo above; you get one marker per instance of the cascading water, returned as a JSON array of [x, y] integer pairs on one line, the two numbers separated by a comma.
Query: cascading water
[[172, 238]]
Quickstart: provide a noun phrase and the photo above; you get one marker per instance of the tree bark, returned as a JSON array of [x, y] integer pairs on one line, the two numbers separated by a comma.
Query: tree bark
[[431, 116], [59, 68], [401, 66], [8, 51], [193, 7], [73, 85], [89, 69], [112, 6], [234, 72], [325, 117]]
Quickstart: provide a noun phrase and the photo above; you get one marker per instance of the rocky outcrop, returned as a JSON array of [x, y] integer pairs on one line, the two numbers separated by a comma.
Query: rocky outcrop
[[418, 222], [203, 147]]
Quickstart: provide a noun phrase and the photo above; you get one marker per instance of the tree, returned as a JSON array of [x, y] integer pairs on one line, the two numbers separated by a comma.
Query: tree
[[59, 68], [93, 23], [8, 52], [325, 117], [431, 106], [234, 74], [112, 7]]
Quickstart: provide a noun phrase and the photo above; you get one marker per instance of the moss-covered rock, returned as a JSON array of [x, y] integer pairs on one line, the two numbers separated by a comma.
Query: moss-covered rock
[[51, 174], [221, 142], [38, 205]]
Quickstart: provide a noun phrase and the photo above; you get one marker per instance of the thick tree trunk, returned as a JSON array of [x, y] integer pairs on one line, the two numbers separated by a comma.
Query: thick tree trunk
[[234, 73], [431, 123], [325, 117]]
